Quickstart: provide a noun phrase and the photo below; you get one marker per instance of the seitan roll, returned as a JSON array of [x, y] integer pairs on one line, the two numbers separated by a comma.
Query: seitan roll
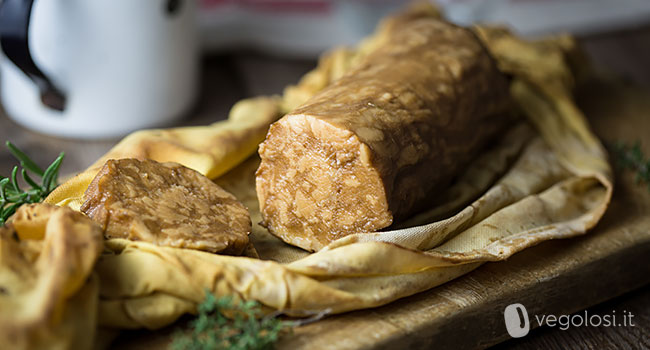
[[372, 147]]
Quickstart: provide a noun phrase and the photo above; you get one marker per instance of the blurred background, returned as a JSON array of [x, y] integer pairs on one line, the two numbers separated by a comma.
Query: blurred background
[[306, 28], [97, 70], [121, 65]]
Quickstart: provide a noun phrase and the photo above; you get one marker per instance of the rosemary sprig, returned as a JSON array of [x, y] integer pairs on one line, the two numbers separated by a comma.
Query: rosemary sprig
[[632, 158], [12, 196], [244, 329]]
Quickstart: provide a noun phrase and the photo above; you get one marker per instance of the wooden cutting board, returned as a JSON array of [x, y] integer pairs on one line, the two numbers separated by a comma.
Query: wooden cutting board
[[556, 277]]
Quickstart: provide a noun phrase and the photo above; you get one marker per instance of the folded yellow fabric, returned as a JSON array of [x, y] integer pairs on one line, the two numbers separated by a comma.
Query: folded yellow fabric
[[525, 190], [48, 294]]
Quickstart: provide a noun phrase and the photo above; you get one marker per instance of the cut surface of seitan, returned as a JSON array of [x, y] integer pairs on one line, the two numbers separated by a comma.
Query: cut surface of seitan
[[166, 204], [370, 148]]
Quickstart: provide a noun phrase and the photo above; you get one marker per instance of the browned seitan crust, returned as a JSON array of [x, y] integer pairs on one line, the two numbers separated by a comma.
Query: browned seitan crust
[[371, 147], [166, 204]]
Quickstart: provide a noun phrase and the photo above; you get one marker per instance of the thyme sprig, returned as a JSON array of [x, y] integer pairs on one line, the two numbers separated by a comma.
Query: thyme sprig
[[224, 324], [632, 158], [12, 196]]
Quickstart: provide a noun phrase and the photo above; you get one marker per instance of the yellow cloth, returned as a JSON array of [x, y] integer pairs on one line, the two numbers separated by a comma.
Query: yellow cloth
[[530, 189], [48, 293]]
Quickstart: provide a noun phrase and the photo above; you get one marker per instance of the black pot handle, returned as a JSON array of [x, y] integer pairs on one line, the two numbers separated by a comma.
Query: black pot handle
[[14, 35]]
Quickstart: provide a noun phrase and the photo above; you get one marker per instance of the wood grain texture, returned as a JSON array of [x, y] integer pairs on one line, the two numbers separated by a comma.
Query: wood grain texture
[[555, 277]]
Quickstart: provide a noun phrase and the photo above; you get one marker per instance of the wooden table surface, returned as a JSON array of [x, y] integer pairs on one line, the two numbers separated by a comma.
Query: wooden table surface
[[231, 77]]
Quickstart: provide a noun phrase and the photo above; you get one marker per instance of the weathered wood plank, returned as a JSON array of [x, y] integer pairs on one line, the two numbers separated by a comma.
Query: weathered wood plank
[[636, 303]]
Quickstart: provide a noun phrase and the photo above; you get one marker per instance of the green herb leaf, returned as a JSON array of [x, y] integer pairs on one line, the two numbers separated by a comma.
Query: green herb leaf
[[3, 185], [14, 181], [9, 211], [28, 179], [52, 173], [224, 324], [25, 162], [12, 196], [632, 158]]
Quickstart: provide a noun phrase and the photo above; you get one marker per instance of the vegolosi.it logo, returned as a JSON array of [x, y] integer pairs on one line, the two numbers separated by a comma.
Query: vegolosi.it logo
[[518, 322]]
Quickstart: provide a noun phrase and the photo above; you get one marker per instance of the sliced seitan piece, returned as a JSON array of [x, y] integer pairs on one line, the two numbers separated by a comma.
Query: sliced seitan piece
[[166, 204], [370, 148]]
